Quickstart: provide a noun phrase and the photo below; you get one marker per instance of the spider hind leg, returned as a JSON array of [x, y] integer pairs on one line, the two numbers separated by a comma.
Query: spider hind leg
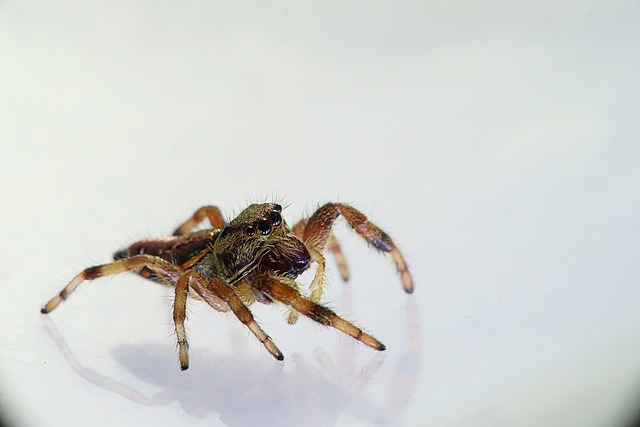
[[161, 267]]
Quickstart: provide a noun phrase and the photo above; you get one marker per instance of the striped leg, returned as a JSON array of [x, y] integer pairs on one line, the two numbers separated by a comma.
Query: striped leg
[[179, 316], [332, 246], [225, 292], [290, 296], [317, 233], [159, 266], [212, 213], [190, 280]]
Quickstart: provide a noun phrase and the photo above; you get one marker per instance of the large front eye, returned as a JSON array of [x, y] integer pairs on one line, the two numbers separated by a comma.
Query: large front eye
[[275, 217], [264, 226]]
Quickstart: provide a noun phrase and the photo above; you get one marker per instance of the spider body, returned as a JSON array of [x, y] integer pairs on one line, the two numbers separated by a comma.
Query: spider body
[[254, 257]]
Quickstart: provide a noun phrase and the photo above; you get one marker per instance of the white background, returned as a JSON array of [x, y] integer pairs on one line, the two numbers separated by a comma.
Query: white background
[[497, 142]]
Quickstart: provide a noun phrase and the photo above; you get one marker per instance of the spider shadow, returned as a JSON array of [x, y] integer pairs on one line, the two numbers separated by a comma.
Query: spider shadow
[[247, 390]]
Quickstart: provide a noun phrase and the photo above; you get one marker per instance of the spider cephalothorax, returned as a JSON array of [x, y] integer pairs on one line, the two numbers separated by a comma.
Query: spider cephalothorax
[[259, 241], [255, 257]]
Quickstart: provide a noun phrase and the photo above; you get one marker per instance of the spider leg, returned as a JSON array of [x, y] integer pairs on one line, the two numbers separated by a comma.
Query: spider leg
[[212, 213], [332, 246], [179, 315], [317, 283], [293, 314], [218, 290], [323, 315], [161, 267], [200, 288], [192, 280], [317, 234], [298, 228], [225, 292]]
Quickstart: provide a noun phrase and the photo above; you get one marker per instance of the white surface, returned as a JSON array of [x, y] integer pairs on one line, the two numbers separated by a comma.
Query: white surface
[[497, 142]]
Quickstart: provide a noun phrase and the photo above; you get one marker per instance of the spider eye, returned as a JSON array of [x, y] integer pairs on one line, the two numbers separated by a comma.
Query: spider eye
[[275, 217], [264, 226], [250, 231], [224, 233], [278, 207]]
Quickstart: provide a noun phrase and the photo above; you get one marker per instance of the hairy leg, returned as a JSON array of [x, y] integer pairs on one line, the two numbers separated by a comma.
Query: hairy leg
[[190, 280], [221, 291], [225, 292], [212, 213], [162, 268], [179, 316], [332, 246], [293, 316], [317, 235], [305, 306]]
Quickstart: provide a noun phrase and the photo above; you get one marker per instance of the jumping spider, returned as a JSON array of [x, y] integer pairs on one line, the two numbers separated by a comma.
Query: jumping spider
[[255, 257]]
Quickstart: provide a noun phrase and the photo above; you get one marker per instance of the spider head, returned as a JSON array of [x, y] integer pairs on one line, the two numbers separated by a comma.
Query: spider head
[[258, 240]]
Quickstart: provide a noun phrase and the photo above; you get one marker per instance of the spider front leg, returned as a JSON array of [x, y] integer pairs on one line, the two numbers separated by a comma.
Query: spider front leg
[[196, 282], [288, 295], [242, 312], [179, 316], [317, 235], [212, 213], [332, 246], [161, 267], [222, 290]]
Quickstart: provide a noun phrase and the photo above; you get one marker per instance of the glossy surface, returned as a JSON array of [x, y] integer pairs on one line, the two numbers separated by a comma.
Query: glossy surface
[[497, 143]]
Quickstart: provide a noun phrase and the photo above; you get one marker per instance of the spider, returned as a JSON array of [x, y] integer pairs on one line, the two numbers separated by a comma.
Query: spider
[[255, 257]]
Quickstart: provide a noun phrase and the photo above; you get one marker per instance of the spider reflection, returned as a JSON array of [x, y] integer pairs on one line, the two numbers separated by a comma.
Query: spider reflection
[[245, 390]]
